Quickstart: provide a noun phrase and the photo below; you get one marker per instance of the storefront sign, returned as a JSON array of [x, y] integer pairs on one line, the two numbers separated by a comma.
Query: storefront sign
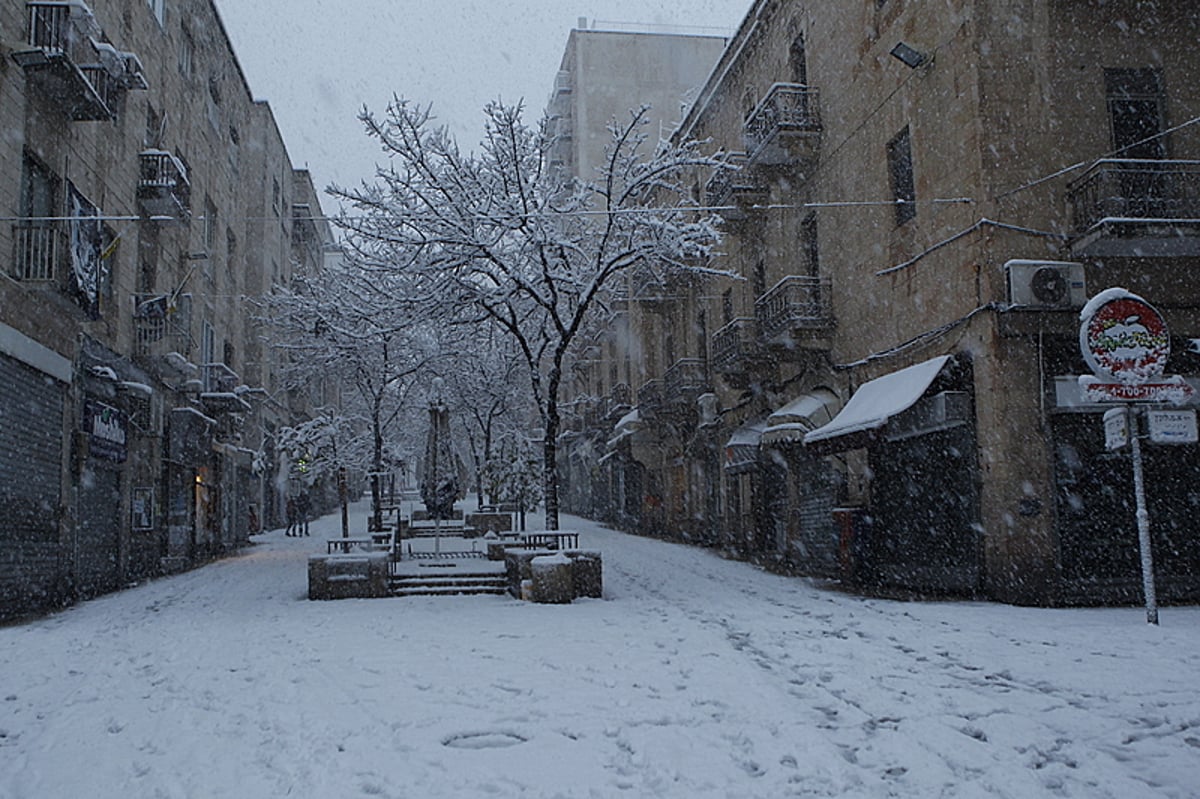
[[1124, 338], [1172, 427], [107, 430], [1175, 392]]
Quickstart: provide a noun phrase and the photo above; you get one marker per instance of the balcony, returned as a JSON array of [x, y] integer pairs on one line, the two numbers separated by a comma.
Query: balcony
[[63, 56], [304, 226], [686, 380], [162, 333], [785, 128], [1137, 208], [620, 401], [735, 188], [38, 251], [650, 398], [795, 314], [164, 191], [736, 349]]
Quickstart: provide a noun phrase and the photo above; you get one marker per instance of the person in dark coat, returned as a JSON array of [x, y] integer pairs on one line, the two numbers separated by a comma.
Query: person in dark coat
[[290, 512], [303, 507]]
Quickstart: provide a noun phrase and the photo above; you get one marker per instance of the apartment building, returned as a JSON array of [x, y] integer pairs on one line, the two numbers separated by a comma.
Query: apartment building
[[920, 198], [608, 71], [147, 196]]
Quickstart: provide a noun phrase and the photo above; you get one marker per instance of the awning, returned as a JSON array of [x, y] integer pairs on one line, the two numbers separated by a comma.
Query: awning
[[627, 426], [741, 451], [806, 413], [874, 403]]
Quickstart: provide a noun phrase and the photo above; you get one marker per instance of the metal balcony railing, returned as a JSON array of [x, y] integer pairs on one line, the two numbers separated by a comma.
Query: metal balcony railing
[[733, 182], [1135, 190], [66, 57], [788, 110], [650, 396], [619, 397], [164, 189], [794, 303], [219, 377], [38, 251], [162, 325], [686, 379], [734, 345]]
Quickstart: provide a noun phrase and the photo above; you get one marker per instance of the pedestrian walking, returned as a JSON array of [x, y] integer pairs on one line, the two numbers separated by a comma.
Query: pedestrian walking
[[302, 510], [290, 510]]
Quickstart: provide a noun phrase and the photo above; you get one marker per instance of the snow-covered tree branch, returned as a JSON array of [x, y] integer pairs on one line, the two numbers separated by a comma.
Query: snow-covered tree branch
[[500, 235]]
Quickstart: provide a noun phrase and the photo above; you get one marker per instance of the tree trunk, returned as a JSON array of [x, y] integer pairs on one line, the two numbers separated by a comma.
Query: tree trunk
[[376, 469], [550, 456]]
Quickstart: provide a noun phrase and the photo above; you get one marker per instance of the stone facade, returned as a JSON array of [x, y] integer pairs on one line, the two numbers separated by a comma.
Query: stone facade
[[933, 216], [148, 196]]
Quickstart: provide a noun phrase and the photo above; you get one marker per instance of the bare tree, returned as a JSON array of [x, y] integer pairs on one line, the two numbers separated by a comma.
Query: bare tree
[[502, 236], [344, 324]]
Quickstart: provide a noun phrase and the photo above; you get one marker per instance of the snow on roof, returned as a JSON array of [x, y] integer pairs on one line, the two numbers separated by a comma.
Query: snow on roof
[[805, 413], [878, 400]]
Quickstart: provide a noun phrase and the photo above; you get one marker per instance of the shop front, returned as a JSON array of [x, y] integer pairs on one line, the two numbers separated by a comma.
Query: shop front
[[917, 427]]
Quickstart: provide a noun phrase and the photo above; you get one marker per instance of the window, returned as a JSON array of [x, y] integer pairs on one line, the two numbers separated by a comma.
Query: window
[[727, 306], [900, 169], [156, 127], [37, 242], [214, 103], [275, 195], [159, 7], [760, 276], [208, 354], [749, 101], [1135, 111], [187, 53], [797, 60], [809, 245], [210, 225], [230, 249]]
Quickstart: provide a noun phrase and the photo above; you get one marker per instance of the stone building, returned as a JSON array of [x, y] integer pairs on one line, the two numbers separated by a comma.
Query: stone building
[[920, 199], [147, 196], [606, 73]]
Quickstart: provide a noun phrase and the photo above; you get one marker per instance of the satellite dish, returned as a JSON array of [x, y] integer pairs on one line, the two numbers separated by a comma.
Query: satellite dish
[[1049, 286]]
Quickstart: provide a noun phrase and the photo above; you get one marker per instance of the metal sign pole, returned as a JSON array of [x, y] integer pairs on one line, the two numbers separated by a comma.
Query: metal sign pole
[[1143, 521]]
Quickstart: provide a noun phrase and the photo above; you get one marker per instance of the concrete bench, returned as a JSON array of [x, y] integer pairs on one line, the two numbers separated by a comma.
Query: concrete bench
[[355, 576]]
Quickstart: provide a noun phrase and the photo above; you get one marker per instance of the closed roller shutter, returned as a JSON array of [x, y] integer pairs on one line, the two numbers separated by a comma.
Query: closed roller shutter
[[31, 445]]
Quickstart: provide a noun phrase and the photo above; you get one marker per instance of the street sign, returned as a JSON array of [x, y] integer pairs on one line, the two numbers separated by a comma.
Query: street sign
[[1125, 342], [1172, 426], [1116, 428]]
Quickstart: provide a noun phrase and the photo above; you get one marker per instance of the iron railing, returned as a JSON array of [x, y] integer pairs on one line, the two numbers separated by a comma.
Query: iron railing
[[1137, 190], [788, 108], [796, 302], [734, 344], [686, 379], [38, 250]]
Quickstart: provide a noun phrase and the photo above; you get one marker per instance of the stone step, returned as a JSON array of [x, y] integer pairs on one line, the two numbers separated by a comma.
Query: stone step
[[448, 584], [460, 590]]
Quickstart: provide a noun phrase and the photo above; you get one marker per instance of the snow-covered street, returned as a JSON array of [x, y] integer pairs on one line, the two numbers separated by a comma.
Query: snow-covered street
[[695, 677]]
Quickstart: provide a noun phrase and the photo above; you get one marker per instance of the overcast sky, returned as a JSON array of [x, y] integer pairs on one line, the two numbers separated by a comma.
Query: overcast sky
[[318, 62]]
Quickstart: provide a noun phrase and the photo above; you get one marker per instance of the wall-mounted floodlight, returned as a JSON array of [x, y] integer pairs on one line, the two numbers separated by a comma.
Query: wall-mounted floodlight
[[911, 58]]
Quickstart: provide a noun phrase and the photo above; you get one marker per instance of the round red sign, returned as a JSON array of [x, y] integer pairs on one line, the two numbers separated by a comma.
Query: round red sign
[[1124, 337]]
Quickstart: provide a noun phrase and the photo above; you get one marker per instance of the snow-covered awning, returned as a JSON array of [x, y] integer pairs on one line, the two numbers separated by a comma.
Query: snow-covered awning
[[789, 424], [875, 402], [627, 426], [741, 451]]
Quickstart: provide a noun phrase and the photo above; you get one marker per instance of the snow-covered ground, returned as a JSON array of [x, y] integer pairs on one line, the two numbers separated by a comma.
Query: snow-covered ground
[[694, 677]]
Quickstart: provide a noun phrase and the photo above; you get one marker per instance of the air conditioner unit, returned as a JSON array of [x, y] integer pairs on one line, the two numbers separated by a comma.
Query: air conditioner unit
[[1046, 284]]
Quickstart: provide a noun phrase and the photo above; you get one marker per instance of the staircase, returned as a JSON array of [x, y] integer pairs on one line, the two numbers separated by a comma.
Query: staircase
[[453, 581]]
